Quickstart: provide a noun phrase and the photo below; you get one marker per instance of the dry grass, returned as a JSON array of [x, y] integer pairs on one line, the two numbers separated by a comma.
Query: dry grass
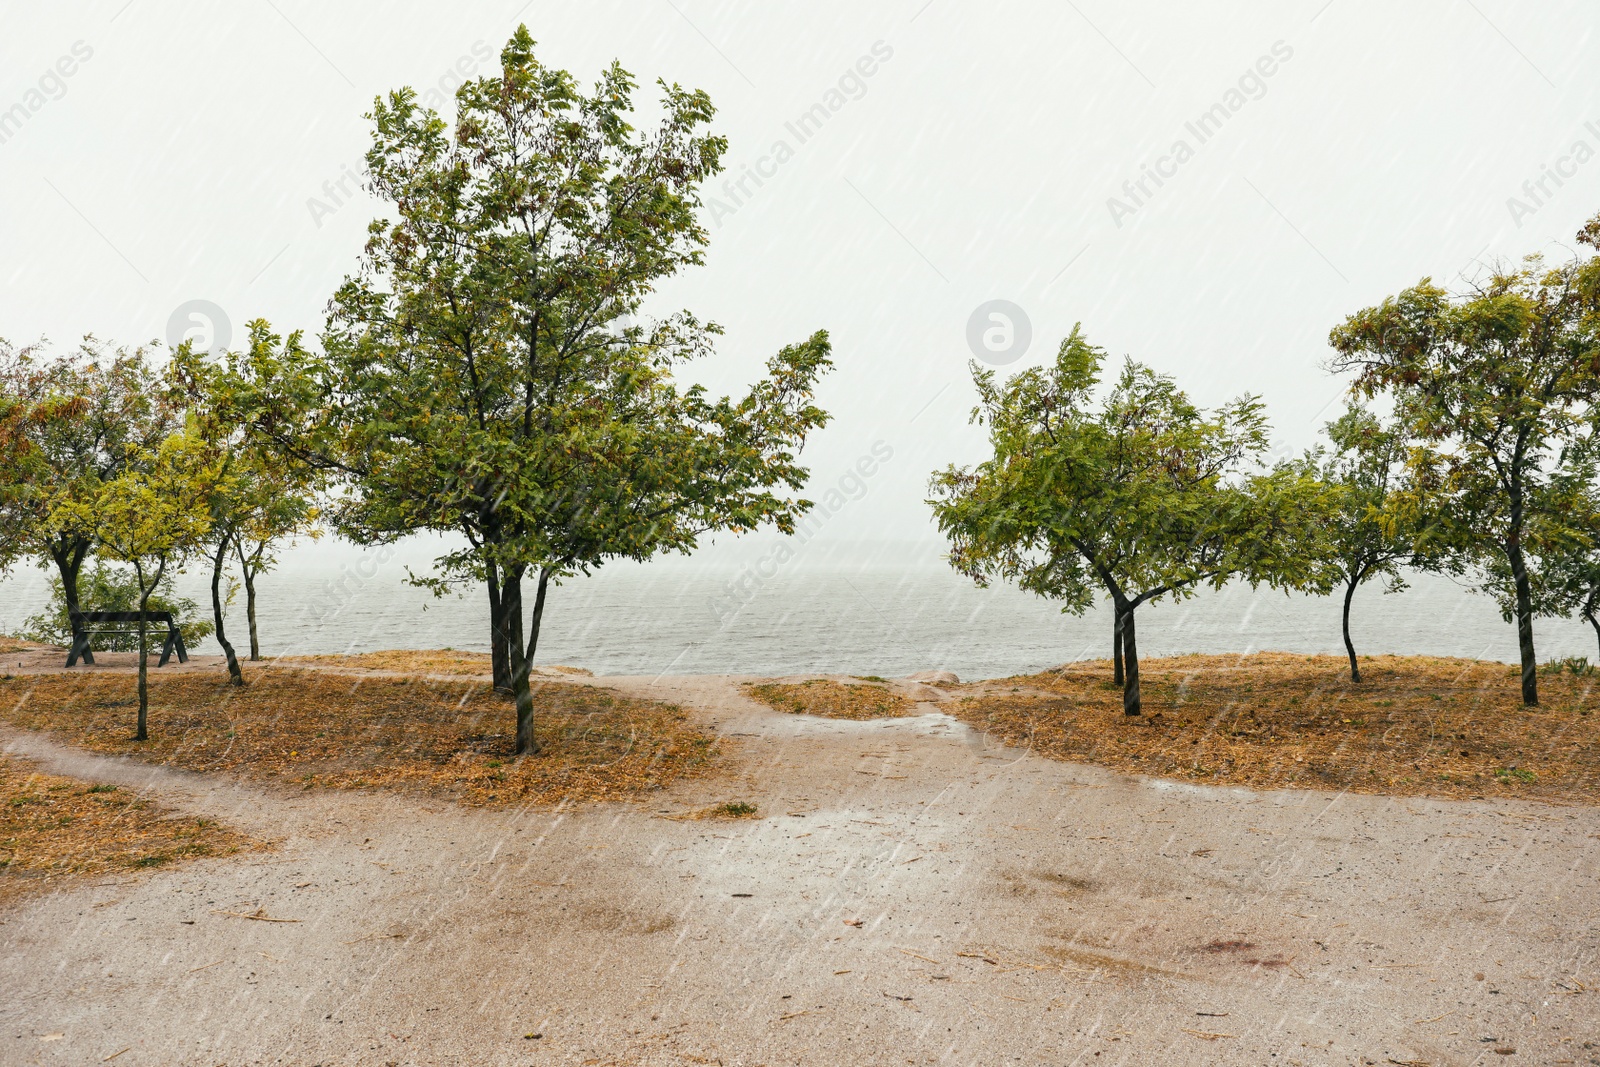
[[15, 644], [53, 828], [410, 661], [1415, 725], [832, 699], [314, 729]]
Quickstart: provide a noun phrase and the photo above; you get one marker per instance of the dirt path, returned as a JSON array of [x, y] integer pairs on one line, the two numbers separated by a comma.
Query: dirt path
[[910, 895]]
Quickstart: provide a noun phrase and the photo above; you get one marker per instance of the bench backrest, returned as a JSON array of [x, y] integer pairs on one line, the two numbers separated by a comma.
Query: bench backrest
[[124, 616]]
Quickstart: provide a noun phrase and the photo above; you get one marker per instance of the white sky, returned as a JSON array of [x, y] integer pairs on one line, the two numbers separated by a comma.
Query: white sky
[[177, 161]]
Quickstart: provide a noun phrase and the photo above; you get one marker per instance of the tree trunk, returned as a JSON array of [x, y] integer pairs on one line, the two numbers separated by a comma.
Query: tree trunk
[[69, 562], [1589, 617], [235, 675], [497, 635], [1530, 665], [1130, 657], [250, 613], [1116, 647], [143, 733], [538, 614], [511, 607], [1349, 645]]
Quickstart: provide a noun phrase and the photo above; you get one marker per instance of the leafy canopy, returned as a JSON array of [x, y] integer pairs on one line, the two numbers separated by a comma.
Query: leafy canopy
[[1140, 496]]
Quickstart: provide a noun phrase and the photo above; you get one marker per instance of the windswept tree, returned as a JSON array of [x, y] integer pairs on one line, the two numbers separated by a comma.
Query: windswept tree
[[261, 499], [154, 515], [1389, 517], [86, 415], [482, 373], [1498, 384], [1139, 497]]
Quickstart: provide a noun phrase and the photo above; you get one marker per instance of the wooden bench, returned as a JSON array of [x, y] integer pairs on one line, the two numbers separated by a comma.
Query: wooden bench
[[97, 622]]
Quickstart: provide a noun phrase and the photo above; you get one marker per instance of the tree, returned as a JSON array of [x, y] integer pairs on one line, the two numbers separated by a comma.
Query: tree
[[262, 496], [1387, 519], [1140, 497], [479, 374], [88, 414], [1497, 384], [153, 516]]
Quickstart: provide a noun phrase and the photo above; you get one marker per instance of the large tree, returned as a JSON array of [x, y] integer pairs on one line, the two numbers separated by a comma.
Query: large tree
[[89, 415], [1388, 519], [1140, 496], [1498, 384], [482, 374]]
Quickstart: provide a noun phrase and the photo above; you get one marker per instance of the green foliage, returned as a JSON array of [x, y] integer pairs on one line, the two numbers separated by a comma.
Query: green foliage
[[70, 423], [1498, 387], [113, 587], [1578, 665]]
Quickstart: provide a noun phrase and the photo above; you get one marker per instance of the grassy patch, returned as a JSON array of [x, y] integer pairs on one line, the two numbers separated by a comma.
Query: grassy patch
[[732, 809], [831, 699], [321, 730], [52, 828], [1415, 725]]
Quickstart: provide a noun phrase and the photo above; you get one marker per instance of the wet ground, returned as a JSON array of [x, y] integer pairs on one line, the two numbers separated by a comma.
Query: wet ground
[[909, 894]]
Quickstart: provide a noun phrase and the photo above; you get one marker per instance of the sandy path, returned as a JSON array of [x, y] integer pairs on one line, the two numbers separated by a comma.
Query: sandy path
[[911, 895]]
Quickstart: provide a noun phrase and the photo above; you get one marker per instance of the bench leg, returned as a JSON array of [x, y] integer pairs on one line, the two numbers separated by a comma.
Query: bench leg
[[166, 651], [183, 653], [80, 647]]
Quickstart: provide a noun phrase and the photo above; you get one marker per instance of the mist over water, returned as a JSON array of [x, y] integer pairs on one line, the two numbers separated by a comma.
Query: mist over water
[[885, 608]]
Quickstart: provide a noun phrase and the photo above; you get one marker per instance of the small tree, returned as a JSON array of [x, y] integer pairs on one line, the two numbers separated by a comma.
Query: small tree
[[153, 516], [1498, 384], [263, 496], [1140, 497], [480, 375], [1387, 518]]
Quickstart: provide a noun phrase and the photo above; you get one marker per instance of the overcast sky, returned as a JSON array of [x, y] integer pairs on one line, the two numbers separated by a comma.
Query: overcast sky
[[154, 153]]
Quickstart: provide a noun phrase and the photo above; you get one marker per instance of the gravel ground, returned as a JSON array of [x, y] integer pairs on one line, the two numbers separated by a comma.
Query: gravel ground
[[909, 894]]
